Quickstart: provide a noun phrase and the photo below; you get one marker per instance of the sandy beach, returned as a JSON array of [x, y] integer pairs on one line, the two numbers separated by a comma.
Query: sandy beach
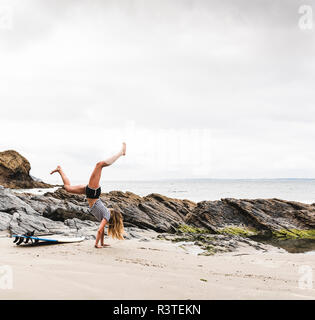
[[154, 269]]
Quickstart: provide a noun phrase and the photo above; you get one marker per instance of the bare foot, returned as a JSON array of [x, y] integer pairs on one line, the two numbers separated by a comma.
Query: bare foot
[[56, 170], [98, 247], [123, 149], [105, 245]]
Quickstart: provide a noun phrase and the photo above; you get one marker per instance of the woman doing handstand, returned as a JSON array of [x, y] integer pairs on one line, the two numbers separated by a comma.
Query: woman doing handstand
[[112, 217]]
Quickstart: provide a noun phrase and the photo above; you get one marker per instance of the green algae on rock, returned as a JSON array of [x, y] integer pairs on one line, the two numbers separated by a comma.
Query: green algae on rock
[[184, 228], [294, 234], [239, 231]]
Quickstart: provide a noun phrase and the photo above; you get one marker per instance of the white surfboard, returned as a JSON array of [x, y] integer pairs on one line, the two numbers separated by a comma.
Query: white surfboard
[[19, 239]]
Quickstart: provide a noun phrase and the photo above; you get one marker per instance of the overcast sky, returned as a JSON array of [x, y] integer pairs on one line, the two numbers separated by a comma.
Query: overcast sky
[[197, 88]]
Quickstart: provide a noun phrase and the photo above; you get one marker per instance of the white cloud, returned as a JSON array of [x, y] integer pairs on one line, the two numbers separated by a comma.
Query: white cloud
[[74, 74]]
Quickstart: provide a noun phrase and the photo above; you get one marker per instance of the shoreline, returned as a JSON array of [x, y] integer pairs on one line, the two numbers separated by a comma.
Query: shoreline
[[41, 191]]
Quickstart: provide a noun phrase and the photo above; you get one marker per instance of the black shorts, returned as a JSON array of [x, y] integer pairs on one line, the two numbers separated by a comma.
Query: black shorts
[[92, 193]]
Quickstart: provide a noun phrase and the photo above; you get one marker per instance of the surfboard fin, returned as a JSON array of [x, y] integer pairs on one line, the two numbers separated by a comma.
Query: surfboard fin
[[25, 238], [20, 241]]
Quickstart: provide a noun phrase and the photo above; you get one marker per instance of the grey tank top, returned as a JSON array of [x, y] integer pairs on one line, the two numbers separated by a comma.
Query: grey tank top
[[99, 211]]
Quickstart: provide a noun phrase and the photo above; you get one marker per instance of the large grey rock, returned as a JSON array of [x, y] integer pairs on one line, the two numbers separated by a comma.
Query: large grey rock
[[18, 216], [260, 214], [5, 219], [155, 212]]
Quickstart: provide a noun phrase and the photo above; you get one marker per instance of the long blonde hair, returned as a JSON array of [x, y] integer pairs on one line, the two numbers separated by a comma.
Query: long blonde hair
[[116, 225]]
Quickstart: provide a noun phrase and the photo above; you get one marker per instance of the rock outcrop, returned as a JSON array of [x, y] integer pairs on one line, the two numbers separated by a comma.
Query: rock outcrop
[[216, 226], [155, 212], [15, 172], [253, 217]]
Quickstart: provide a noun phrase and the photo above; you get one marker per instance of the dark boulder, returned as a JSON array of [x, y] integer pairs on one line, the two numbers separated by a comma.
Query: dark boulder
[[15, 172]]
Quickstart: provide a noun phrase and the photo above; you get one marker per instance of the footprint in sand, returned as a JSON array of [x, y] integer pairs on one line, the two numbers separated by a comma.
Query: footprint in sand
[[141, 262]]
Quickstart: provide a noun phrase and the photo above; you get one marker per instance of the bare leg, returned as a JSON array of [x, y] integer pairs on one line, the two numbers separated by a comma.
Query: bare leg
[[72, 189], [95, 178]]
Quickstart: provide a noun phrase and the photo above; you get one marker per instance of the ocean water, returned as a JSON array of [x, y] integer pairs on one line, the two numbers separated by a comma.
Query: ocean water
[[302, 190]]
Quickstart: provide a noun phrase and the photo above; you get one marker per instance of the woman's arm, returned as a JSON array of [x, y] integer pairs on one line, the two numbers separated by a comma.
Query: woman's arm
[[100, 233], [102, 237]]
